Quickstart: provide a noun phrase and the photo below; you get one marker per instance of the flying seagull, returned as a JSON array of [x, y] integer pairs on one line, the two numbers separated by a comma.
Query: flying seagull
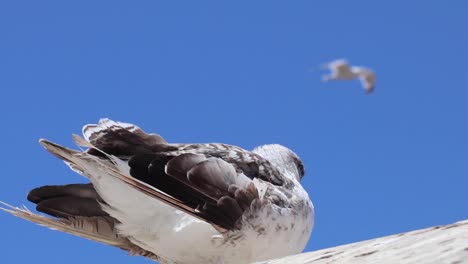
[[341, 70], [177, 203]]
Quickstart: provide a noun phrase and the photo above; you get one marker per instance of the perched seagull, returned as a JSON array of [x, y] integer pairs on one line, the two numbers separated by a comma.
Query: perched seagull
[[340, 70], [178, 203]]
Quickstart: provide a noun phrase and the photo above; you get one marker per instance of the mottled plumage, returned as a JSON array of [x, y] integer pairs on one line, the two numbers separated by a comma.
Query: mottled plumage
[[178, 203]]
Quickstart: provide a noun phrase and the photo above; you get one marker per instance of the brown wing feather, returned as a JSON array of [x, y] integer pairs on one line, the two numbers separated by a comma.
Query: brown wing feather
[[203, 185], [121, 139], [218, 179]]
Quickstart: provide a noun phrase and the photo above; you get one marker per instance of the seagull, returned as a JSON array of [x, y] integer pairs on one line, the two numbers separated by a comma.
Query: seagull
[[177, 203], [340, 70]]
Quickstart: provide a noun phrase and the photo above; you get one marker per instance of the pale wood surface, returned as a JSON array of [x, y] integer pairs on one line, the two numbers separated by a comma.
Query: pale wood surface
[[438, 244]]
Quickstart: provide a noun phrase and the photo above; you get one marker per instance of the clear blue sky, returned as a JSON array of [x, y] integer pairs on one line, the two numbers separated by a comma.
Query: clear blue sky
[[244, 72]]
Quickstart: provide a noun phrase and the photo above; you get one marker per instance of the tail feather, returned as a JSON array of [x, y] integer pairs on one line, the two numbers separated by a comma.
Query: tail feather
[[99, 229]]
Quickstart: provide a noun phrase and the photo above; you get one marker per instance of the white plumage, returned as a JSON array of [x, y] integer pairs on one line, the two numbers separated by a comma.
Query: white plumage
[[341, 70]]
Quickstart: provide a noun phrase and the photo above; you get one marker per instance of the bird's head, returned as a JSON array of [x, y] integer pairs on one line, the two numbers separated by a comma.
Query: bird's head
[[284, 159]]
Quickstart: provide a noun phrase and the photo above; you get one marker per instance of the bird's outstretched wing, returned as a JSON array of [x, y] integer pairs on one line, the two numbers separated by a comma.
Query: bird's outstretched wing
[[339, 66], [339, 69], [366, 76]]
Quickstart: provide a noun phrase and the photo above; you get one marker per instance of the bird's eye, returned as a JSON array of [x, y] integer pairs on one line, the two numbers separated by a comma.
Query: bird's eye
[[300, 169]]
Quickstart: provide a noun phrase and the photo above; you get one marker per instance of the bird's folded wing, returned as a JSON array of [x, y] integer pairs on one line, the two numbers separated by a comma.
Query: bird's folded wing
[[210, 181], [209, 189]]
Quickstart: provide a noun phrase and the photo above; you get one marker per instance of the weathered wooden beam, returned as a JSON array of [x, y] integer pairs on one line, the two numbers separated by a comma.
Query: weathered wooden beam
[[438, 244]]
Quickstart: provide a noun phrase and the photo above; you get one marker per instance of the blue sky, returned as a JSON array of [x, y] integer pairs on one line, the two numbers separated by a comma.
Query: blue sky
[[245, 73]]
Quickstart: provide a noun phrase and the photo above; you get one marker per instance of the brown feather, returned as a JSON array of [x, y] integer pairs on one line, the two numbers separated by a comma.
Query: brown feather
[[99, 229]]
